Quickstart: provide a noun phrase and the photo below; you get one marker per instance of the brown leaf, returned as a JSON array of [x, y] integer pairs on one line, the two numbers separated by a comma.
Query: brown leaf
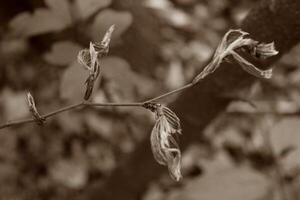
[[233, 40], [33, 109], [251, 69], [163, 143]]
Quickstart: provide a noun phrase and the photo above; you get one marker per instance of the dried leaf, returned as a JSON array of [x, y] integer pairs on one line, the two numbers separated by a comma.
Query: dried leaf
[[171, 117], [163, 143], [264, 50], [89, 59], [103, 47], [40, 120], [251, 69], [232, 39], [94, 69], [30, 101], [235, 39]]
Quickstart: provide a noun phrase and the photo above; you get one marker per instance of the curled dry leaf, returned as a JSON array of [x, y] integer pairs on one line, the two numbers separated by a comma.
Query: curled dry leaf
[[40, 120], [250, 68], [264, 50], [233, 40], [94, 69], [163, 139], [89, 59]]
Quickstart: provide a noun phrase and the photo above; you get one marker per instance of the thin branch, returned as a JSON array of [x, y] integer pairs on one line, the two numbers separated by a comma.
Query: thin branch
[[85, 104], [137, 104], [88, 59], [45, 116], [170, 93], [17, 122], [71, 107]]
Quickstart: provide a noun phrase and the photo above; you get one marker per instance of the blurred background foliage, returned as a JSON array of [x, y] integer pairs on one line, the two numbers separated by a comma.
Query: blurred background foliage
[[151, 53]]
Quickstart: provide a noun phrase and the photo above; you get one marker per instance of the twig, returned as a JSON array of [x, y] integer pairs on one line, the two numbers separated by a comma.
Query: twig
[[85, 104], [170, 93], [114, 104], [71, 107], [64, 109], [89, 59], [45, 116]]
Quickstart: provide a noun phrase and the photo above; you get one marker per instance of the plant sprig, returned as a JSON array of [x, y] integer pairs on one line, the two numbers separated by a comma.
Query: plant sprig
[[165, 147]]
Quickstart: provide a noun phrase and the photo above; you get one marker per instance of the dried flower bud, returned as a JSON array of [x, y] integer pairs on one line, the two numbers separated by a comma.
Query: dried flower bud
[[163, 142], [40, 120], [233, 40]]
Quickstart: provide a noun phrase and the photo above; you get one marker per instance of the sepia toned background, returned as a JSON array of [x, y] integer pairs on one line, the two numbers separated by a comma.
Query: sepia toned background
[[240, 134]]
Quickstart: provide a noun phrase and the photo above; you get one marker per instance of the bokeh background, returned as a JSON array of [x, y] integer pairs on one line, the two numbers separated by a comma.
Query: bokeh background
[[158, 45]]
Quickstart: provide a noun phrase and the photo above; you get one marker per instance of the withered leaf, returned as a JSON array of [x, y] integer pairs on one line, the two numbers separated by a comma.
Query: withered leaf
[[233, 40], [163, 142], [251, 69], [31, 103]]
